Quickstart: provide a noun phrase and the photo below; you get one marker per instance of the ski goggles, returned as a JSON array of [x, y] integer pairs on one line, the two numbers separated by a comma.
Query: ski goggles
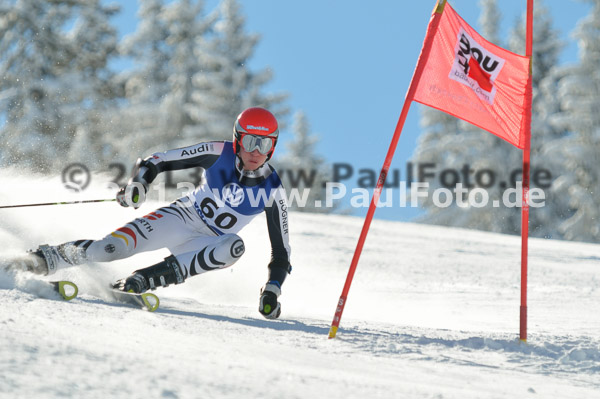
[[263, 144]]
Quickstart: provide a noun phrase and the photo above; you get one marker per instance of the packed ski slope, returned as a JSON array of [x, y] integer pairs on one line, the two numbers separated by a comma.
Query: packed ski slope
[[433, 313]]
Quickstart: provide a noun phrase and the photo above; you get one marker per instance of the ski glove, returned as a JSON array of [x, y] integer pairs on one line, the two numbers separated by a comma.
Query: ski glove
[[133, 194], [268, 305]]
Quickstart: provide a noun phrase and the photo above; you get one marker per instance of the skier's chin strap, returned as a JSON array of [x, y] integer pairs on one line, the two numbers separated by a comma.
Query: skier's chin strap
[[263, 171]]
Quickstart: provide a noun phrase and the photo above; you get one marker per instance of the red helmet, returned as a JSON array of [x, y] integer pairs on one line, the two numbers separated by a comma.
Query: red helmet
[[255, 129]]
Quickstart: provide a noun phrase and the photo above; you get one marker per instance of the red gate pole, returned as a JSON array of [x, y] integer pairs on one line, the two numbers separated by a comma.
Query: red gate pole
[[526, 168]]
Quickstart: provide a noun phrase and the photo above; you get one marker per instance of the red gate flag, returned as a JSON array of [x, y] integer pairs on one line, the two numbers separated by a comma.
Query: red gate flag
[[474, 80]]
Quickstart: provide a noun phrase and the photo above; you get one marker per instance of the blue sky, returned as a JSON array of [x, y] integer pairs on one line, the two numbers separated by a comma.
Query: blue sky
[[347, 65]]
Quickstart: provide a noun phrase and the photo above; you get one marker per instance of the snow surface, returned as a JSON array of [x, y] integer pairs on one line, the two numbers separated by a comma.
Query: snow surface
[[432, 313]]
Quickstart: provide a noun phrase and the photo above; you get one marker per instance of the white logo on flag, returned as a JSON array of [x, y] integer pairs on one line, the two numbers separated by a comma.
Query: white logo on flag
[[476, 67]]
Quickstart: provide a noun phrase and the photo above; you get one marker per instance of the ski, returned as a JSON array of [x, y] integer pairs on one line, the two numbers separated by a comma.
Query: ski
[[67, 289], [147, 300]]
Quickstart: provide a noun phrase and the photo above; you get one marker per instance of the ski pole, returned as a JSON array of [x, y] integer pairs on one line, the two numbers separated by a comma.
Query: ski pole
[[57, 203]]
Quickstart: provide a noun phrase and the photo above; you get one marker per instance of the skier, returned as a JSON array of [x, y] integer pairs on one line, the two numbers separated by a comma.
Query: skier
[[199, 229]]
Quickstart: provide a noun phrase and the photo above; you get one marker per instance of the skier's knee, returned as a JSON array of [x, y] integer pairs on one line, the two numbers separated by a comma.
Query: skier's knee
[[227, 251], [235, 245], [219, 255]]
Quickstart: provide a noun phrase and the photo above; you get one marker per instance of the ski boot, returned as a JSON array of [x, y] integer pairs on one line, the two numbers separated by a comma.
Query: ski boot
[[161, 274]]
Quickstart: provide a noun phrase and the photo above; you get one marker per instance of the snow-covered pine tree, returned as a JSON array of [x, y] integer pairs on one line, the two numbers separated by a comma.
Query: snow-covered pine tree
[[579, 95], [141, 118], [303, 170], [147, 46], [95, 43], [53, 63], [489, 20], [227, 85], [187, 27]]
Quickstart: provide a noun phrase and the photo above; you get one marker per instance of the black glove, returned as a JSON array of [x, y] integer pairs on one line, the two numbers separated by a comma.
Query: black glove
[[268, 305], [134, 193]]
